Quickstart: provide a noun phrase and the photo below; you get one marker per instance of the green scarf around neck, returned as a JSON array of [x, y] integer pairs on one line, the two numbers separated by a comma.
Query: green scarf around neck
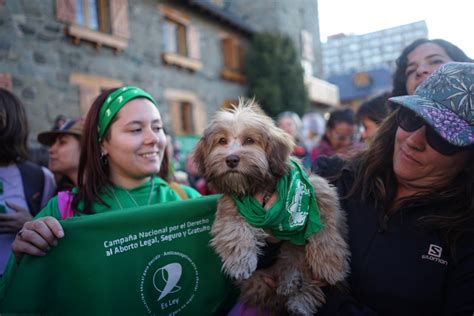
[[294, 216]]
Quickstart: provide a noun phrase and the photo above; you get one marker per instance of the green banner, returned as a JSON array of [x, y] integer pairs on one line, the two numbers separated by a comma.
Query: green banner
[[152, 260]]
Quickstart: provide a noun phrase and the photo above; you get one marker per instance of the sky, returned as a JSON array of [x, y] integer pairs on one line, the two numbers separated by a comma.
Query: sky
[[452, 20]]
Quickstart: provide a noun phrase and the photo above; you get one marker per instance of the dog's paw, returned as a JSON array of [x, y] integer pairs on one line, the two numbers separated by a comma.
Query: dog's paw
[[242, 268], [290, 284], [306, 301], [297, 308]]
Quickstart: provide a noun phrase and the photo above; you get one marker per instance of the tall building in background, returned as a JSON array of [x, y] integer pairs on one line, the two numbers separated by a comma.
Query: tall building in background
[[361, 66], [345, 53]]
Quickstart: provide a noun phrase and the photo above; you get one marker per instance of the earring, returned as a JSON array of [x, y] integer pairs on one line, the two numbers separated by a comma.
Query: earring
[[103, 159]]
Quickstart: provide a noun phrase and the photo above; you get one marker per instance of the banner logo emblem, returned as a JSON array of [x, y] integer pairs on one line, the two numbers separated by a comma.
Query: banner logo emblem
[[169, 275], [169, 283]]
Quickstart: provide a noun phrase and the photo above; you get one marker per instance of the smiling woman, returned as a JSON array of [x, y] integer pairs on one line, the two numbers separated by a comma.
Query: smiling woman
[[410, 205], [121, 153], [419, 60]]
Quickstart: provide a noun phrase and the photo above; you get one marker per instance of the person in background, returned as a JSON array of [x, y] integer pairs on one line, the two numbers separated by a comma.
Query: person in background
[[338, 137], [121, 154], [25, 187], [195, 179], [64, 152], [313, 131], [371, 113], [178, 180], [410, 206], [419, 60], [290, 122]]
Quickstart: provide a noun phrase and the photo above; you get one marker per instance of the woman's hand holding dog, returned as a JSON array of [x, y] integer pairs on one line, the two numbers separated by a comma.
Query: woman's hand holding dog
[[37, 237]]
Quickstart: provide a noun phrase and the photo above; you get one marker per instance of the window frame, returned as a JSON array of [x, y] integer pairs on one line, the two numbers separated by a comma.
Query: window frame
[[187, 53], [90, 86], [176, 99], [112, 16], [233, 56]]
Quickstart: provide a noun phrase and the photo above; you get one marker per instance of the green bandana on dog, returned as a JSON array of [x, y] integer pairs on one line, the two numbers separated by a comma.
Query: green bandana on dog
[[115, 101], [295, 214]]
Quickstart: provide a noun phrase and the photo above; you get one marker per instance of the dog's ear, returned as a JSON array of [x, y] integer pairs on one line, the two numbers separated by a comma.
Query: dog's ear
[[200, 153], [279, 147]]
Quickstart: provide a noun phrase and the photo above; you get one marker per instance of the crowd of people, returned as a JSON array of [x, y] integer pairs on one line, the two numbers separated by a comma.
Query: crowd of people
[[402, 164]]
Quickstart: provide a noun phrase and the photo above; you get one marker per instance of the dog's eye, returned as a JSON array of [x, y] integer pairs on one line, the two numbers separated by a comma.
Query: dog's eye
[[249, 141], [222, 141]]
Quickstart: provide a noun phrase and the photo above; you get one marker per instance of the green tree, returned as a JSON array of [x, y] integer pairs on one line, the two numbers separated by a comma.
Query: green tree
[[274, 74]]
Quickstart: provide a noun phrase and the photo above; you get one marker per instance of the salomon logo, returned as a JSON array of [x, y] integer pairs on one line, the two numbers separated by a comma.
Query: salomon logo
[[435, 251], [434, 254]]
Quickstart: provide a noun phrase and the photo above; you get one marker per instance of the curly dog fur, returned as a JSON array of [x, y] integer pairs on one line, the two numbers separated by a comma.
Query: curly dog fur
[[242, 152]]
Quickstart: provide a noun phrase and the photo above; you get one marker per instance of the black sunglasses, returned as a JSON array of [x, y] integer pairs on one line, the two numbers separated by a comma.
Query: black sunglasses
[[409, 121]]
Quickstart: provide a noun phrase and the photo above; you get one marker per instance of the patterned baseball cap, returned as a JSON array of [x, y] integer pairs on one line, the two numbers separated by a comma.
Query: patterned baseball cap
[[445, 100], [71, 127]]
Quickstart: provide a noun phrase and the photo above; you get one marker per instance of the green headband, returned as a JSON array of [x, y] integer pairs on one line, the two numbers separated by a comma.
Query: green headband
[[115, 101]]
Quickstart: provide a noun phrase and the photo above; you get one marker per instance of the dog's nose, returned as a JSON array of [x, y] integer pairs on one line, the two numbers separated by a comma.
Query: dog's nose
[[232, 161]]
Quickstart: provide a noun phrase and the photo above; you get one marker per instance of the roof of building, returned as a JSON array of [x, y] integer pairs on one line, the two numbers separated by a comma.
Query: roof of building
[[225, 16], [359, 85]]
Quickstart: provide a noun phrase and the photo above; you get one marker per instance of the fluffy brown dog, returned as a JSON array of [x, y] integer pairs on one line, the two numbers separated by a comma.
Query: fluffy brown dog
[[242, 152]]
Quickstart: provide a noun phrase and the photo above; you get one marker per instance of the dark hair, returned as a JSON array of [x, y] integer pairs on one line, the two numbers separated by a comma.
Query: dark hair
[[13, 128], [375, 108], [399, 77], [340, 116], [93, 174], [374, 179], [166, 169]]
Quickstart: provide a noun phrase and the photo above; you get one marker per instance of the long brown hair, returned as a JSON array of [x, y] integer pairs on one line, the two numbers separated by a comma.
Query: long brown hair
[[453, 205], [400, 78], [13, 128], [93, 173]]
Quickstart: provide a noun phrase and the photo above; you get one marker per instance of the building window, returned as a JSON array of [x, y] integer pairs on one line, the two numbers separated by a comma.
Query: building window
[[182, 117], [187, 124], [307, 46], [90, 87], [174, 38], [233, 53], [93, 14], [187, 114], [103, 22], [180, 40]]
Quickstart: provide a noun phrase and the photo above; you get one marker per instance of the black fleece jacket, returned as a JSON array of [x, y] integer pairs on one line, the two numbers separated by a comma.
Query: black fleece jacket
[[398, 268]]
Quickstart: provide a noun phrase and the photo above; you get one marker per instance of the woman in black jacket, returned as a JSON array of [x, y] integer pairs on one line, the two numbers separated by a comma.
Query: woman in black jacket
[[410, 205]]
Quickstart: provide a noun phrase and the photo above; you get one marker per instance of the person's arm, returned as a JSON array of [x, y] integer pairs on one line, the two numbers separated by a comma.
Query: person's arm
[[11, 223]]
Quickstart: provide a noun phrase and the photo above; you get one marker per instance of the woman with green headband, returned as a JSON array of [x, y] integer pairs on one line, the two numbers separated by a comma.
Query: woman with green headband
[[122, 149]]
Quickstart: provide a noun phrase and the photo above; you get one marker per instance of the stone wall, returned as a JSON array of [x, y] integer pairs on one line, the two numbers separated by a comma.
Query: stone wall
[[41, 58]]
